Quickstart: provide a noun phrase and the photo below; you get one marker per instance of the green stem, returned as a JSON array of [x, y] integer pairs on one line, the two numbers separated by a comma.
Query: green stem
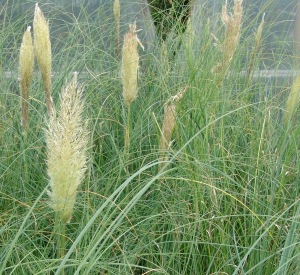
[[24, 155], [62, 239], [127, 133], [127, 140], [61, 235]]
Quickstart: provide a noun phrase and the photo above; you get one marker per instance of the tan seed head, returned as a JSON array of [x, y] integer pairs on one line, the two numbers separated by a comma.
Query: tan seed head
[[26, 64], [130, 65], [117, 9], [66, 138], [293, 100], [169, 121], [42, 47], [117, 18], [233, 23]]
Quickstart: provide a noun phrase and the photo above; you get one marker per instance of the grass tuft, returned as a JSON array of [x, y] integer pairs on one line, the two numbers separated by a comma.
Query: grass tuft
[[229, 202]]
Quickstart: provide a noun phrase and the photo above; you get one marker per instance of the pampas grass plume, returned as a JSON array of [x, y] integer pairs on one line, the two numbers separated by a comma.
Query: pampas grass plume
[[42, 47], [116, 9], [233, 25], [26, 64], [293, 100], [259, 31], [256, 45], [168, 125], [169, 122], [130, 65], [66, 139]]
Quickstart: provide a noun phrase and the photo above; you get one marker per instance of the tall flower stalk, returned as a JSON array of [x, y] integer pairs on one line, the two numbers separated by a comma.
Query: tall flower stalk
[[256, 46], [42, 47], [169, 123], [26, 64], [232, 23], [293, 100], [117, 12], [130, 66], [67, 139]]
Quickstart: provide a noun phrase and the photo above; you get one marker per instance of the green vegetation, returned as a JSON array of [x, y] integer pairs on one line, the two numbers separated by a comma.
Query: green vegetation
[[223, 199], [167, 13]]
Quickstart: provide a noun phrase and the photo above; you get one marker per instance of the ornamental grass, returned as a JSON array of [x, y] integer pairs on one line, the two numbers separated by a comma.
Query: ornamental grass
[[26, 64], [66, 138], [42, 48]]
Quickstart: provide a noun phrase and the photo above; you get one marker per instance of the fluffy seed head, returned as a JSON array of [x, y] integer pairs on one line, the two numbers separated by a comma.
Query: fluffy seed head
[[117, 18], [117, 9], [66, 138], [259, 31], [169, 121], [233, 26], [42, 47], [233, 23], [26, 64], [168, 125], [256, 45], [189, 33], [293, 100], [130, 65]]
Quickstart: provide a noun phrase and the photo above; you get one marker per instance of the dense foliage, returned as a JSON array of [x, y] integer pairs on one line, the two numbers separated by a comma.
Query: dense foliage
[[222, 196]]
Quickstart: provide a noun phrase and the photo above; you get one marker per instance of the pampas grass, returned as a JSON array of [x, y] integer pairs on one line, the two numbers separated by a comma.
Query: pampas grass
[[116, 9], [293, 100], [42, 47], [256, 45], [130, 66], [67, 139], [230, 194], [169, 122], [26, 64], [232, 25]]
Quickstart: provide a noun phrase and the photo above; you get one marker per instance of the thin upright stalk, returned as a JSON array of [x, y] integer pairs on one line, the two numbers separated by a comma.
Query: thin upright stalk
[[62, 239], [256, 46], [130, 65], [127, 140], [42, 47], [117, 18], [127, 132], [26, 70], [60, 231]]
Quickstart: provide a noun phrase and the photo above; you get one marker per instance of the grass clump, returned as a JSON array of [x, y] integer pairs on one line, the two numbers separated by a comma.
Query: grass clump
[[229, 202]]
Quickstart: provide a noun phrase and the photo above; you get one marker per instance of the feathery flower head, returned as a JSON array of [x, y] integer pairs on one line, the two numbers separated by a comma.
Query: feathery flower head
[[42, 47], [169, 120], [259, 31], [293, 99], [26, 64], [117, 18], [67, 139], [130, 64], [233, 23], [117, 9]]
